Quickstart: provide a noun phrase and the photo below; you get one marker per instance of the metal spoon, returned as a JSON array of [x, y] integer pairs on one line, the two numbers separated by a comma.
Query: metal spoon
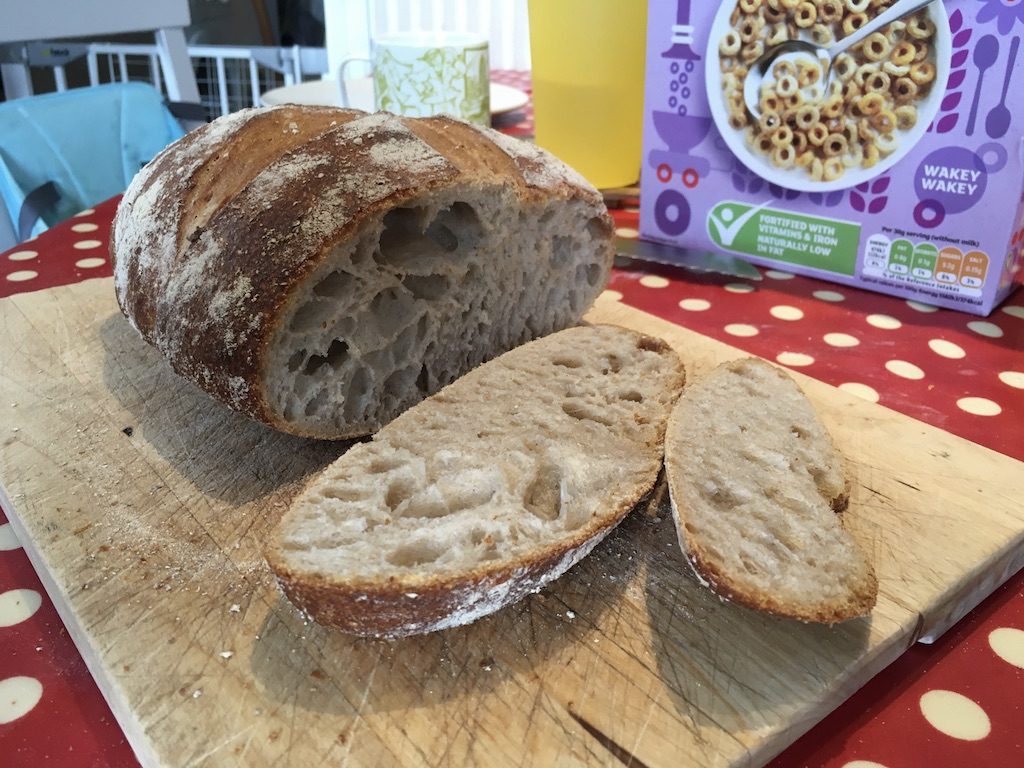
[[826, 55]]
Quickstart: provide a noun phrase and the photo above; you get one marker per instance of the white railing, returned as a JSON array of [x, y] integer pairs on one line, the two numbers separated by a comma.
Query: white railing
[[233, 77], [229, 77]]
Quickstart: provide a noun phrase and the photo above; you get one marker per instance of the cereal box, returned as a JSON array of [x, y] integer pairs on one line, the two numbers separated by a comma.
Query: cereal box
[[818, 137]]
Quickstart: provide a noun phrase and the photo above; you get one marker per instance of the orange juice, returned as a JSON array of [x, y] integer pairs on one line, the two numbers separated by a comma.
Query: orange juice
[[588, 85]]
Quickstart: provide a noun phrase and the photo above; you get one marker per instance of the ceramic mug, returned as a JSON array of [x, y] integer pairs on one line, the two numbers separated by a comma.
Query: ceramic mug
[[419, 74]]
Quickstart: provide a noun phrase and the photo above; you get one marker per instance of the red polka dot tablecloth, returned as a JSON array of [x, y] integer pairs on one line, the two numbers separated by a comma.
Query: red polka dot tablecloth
[[956, 703], [962, 373]]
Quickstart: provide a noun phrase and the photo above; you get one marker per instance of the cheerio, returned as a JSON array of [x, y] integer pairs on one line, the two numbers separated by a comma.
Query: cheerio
[[896, 171]]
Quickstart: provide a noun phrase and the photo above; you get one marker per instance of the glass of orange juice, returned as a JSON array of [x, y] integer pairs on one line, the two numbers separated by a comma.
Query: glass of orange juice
[[588, 85]]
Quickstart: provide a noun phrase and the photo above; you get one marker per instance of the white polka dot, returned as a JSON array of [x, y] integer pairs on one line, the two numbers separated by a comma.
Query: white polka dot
[[832, 296], [86, 227], [17, 605], [917, 305], [862, 764], [1013, 379], [904, 370], [794, 359], [739, 288], [841, 340], [653, 281], [979, 406], [611, 295], [776, 274], [8, 540], [741, 329], [91, 263], [1014, 311], [947, 349], [983, 328], [627, 232], [86, 212], [695, 305], [955, 715], [22, 255], [786, 312], [85, 245], [17, 697], [22, 275], [863, 391], [1008, 644], [885, 322]]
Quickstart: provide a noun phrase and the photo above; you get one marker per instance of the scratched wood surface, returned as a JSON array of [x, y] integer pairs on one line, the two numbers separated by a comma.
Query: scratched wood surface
[[144, 504]]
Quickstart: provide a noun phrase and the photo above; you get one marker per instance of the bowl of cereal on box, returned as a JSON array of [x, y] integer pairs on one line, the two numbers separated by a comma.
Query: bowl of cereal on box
[[818, 132]]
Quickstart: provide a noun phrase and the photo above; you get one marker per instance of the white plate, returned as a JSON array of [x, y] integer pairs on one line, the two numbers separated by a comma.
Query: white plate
[[504, 98], [797, 178]]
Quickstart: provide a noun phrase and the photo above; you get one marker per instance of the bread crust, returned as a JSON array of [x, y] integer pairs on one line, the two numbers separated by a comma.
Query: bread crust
[[399, 608], [215, 235]]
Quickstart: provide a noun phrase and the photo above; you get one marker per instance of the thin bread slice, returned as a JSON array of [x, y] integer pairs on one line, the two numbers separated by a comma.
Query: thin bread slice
[[485, 491], [756, 483]]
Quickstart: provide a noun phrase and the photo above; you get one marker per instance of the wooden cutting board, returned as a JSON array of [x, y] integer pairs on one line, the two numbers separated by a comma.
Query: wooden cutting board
[[143, 504]]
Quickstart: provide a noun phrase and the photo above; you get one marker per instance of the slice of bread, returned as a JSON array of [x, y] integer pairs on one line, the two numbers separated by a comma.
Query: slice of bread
[[485, 491], [756, 483]]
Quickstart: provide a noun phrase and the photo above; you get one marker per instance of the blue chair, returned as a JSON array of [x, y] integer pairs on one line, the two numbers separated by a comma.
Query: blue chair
[[61, 153]]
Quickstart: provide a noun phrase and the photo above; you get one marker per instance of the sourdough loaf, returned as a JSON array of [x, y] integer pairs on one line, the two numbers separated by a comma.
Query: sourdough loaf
[[321, 270], [484, 492], [756, 485]]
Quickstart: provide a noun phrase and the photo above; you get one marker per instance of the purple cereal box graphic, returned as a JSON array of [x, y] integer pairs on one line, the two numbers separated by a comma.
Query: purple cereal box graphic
[[875, 143]]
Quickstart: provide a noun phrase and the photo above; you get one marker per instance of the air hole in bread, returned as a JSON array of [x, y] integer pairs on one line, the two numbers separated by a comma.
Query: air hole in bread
[[344, 493], [407, 238], [632, 396], [651, 344], [597, 228], [401, 349], [398, 383], [614, 363], [316, 403], [426, 287], [309, 316], [561, 251], [336, 356], [402, 237], [417, 553], [800, 432], [295, 361], [443, 237], [382, 464], [423, 380], [567, 362], [473, 274], [400, 489], [426, 503], [332, 286], [459, 221], [543, 497], [585, 412], [355, 398], [468, 490]]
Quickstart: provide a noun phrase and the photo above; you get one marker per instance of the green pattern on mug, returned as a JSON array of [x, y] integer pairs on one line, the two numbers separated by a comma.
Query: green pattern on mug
[[442, 80]]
